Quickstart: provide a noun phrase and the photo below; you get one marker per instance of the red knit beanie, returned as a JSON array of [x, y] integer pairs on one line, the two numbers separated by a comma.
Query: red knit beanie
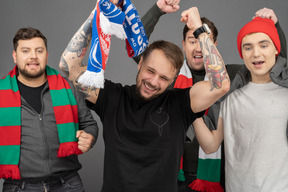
[[262, 25]]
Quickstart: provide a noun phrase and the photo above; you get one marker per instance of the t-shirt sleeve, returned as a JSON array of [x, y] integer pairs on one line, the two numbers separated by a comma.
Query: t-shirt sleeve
[[105, 94], [221, 108], [184, 99]]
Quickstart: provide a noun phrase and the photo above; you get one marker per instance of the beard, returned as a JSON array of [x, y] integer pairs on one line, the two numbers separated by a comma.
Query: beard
[[138, 92], [30, 75]]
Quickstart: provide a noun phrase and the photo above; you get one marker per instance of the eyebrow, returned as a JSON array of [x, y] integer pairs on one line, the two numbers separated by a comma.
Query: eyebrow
[[191, 37], [263, 41]]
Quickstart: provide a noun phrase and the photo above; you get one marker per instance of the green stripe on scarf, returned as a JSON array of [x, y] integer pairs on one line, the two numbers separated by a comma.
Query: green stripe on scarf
[[212, 169], [14, 117], [9, 154], [10, 126], [64, 134], [9, 83], [62, 97]]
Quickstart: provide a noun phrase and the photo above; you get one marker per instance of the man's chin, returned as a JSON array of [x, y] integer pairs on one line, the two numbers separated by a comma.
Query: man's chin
[[143, 98]]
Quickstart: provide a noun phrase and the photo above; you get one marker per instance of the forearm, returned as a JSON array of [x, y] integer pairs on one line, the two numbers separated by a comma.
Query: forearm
[[203, 94], [71, 59], [207, 139], [213, 63]]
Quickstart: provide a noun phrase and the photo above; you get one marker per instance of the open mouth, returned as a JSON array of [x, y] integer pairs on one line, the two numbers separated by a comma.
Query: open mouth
[[149, 87], [33, 65], [258, 63], [198, 56]]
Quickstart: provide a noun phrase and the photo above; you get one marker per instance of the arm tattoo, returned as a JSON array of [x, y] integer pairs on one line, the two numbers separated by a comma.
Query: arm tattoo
[[213, 63], [85, 90], [81, 39], [64, 66]]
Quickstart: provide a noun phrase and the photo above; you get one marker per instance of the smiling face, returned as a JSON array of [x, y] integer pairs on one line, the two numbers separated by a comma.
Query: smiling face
[[31, 59], [193, 52], [155, 74], [259, 55]]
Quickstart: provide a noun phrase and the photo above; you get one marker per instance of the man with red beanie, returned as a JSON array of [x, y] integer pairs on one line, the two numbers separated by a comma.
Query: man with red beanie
[[253, 117]]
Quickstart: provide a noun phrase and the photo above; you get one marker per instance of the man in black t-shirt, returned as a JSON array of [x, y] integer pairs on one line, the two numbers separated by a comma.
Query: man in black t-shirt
[[145, 124]]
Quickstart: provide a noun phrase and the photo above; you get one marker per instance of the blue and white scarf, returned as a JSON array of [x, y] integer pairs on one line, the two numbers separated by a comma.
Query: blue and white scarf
[[110, 20]]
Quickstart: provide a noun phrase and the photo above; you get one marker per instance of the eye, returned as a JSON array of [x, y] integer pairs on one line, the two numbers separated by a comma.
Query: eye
[[164, 78], [264, 46], [150, 71], [247, 48], [193, 42], [40, 51], [25, 50]]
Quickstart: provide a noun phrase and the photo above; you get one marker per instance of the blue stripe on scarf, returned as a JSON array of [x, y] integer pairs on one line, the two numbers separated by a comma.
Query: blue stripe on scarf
[[134, 29]]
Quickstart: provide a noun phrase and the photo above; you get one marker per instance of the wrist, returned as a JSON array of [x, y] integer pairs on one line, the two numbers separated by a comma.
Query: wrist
[[202, 29]]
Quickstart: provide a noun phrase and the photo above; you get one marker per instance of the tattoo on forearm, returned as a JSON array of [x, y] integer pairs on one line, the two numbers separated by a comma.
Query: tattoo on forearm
[[86, 90], [213, 62], [64, 66], [81, 39]]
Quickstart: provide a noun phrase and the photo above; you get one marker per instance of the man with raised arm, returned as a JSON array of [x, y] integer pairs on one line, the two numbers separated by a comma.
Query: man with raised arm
[[144, 125]]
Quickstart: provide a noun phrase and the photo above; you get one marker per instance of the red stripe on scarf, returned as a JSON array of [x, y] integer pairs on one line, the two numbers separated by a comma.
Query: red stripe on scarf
[[10, 135], [10, 101], [66, 114], [183, 82], [55, 84], [104, 40]]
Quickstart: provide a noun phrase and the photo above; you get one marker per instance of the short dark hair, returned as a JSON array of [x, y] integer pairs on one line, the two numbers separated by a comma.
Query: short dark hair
[[172, 52], [26, 34], [209, 23]]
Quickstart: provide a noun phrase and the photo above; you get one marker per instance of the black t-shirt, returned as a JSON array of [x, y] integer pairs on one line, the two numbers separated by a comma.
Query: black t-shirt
[[32, 95], [144, 141]]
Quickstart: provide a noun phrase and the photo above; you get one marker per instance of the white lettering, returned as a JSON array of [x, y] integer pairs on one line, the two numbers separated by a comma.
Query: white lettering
[[135, 28]]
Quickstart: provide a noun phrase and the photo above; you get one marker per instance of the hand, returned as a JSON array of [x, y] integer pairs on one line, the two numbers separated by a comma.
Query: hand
[[266, 13], [85, 140], [114, 1], [192, 18], [168, 6]]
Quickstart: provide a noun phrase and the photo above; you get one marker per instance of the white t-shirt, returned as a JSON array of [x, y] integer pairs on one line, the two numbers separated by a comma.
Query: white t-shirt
[[256, 148]]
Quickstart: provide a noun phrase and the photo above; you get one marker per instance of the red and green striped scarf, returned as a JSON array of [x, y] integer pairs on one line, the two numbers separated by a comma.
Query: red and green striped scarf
[[66, 115], [209, 166]]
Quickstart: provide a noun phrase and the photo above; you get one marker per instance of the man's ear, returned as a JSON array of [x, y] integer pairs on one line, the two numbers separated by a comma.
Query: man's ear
[[183, 45], [216, 42], [140, 63], [14, 56]]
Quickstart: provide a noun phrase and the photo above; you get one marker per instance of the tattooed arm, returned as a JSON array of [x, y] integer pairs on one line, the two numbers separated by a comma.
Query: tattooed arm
[[72, 57], [203, 94]]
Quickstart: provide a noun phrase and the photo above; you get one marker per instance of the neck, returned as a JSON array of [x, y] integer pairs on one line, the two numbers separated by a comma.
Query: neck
[[32, 82], [261, 80]]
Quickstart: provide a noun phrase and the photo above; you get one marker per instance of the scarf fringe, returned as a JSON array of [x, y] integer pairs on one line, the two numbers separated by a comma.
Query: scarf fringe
[[206, 186], [181, 176], [92, 79], [110, 28], [68, 148], [9, 171]]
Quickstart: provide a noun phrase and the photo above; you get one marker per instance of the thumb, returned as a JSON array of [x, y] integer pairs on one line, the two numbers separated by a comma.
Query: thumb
[[78, 133]]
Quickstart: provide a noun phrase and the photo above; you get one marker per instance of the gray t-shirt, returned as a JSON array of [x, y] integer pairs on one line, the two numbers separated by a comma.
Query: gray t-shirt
[[256, 149]]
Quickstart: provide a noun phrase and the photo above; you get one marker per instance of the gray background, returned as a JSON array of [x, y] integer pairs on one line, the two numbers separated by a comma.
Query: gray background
[[59, 20]]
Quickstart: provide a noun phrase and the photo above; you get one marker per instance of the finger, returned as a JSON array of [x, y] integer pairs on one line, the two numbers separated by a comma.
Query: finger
[[78, 133], [83, 149], [176, 7]]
